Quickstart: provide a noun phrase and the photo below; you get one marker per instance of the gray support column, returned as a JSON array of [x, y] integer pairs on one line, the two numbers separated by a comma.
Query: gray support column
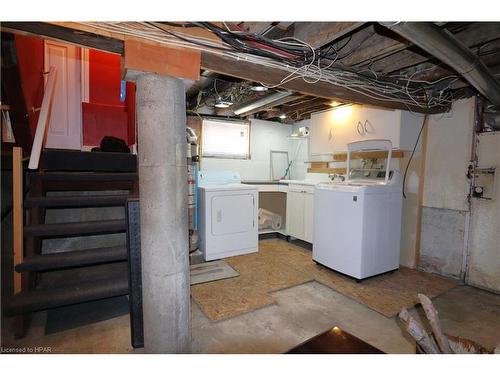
[[161, 124]]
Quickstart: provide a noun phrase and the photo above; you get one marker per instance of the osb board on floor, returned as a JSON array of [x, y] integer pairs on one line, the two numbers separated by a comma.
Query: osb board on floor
[[279, 265]]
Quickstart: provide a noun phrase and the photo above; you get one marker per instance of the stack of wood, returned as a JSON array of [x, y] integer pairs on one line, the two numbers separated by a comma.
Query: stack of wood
[[437, 342]]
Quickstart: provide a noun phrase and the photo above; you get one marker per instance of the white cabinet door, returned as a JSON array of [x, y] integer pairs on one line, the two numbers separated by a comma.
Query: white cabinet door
[[308, 217], [376, 123], [295, 214], [321, 137]]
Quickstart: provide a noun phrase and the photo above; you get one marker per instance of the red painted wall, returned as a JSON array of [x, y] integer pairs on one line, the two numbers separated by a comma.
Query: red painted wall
[[104, 78], [105, 114], [30, 55], [100, 120]]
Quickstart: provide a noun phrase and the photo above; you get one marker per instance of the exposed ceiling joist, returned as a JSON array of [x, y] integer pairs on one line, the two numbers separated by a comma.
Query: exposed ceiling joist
[[297, 104], [270, 114], [258, 27], [317, 34], [448, 49], [300, 106], [471, 36], [65, 34], [372, 43], [430, 71]]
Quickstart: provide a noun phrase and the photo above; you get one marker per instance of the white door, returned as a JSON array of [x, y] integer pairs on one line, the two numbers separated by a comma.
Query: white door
[[65, 126], [308, 217]]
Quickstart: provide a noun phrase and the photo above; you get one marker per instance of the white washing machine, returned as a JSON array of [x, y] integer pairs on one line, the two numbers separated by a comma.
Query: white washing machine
[[227, 214], [357, 223]]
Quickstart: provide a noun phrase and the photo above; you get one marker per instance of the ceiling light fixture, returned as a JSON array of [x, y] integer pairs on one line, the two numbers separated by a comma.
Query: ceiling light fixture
[[258, 88], [219, 103], [282, 116], [335, 103]]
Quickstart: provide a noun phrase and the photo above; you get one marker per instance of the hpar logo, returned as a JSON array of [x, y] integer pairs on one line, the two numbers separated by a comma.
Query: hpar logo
[[42, 349]]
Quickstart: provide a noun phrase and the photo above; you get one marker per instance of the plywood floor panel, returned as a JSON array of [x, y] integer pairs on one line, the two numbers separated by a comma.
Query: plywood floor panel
[[279, 265]]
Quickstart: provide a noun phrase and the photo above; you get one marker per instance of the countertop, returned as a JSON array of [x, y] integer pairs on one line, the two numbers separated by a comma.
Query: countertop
[[264, 182], [311, 179]]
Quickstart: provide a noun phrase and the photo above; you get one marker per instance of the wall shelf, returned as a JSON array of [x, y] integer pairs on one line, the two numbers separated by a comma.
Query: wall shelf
[[342, 156], [396, 154], [327, 170]]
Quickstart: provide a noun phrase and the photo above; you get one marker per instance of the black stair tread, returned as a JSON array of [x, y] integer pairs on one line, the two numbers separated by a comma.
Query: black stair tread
[[75, 229], [85, 176], [73, 160], [76, 258], [76, 201], [72, 276], [88, 185], [43, 299]]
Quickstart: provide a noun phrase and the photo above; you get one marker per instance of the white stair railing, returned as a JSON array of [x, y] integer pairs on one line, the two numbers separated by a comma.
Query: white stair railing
[[43, 119]]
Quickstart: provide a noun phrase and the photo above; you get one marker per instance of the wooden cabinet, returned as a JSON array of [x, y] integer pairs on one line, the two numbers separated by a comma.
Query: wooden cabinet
[[332, 130], [300, 212]]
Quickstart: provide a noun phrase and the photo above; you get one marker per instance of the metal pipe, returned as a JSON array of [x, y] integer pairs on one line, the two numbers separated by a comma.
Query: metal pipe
[[444, 46]]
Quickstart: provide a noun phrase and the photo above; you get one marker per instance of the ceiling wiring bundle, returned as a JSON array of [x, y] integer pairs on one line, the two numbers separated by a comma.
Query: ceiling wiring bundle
[[297, 58]]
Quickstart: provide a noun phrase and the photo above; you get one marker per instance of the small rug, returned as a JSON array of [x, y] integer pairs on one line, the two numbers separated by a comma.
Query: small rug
[[74, 316], [279, 265], [211, 271]]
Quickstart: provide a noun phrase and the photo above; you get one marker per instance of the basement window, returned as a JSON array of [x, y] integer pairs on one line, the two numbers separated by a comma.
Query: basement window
[[225, 139]]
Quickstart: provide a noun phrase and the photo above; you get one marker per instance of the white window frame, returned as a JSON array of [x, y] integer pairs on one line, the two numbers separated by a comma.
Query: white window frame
[[222, 155]]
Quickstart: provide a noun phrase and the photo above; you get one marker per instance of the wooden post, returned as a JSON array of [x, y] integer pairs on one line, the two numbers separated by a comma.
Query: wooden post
[[432, 316], [421, 172], [43, 119], [17, 212]]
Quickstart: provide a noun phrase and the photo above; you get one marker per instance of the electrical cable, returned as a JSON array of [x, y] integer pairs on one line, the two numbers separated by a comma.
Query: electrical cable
[[412, 153]]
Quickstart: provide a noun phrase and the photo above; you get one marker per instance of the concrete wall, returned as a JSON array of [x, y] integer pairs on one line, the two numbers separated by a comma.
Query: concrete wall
[[446, 189], [264, 137], [442, 241], [484, 241], [459, 240], [448, 153]]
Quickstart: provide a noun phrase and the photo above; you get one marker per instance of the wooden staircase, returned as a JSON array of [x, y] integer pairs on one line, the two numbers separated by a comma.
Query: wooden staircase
[[80, 275]]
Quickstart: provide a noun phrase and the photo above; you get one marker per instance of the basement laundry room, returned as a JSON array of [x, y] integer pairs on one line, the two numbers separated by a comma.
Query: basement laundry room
[[217, 187]]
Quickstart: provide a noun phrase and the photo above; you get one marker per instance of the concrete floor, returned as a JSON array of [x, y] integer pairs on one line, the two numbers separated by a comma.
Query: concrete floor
[[299, 313]]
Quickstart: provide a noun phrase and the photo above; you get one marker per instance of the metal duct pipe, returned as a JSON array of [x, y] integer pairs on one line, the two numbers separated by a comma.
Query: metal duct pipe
[[268, 101], [445, 47]]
